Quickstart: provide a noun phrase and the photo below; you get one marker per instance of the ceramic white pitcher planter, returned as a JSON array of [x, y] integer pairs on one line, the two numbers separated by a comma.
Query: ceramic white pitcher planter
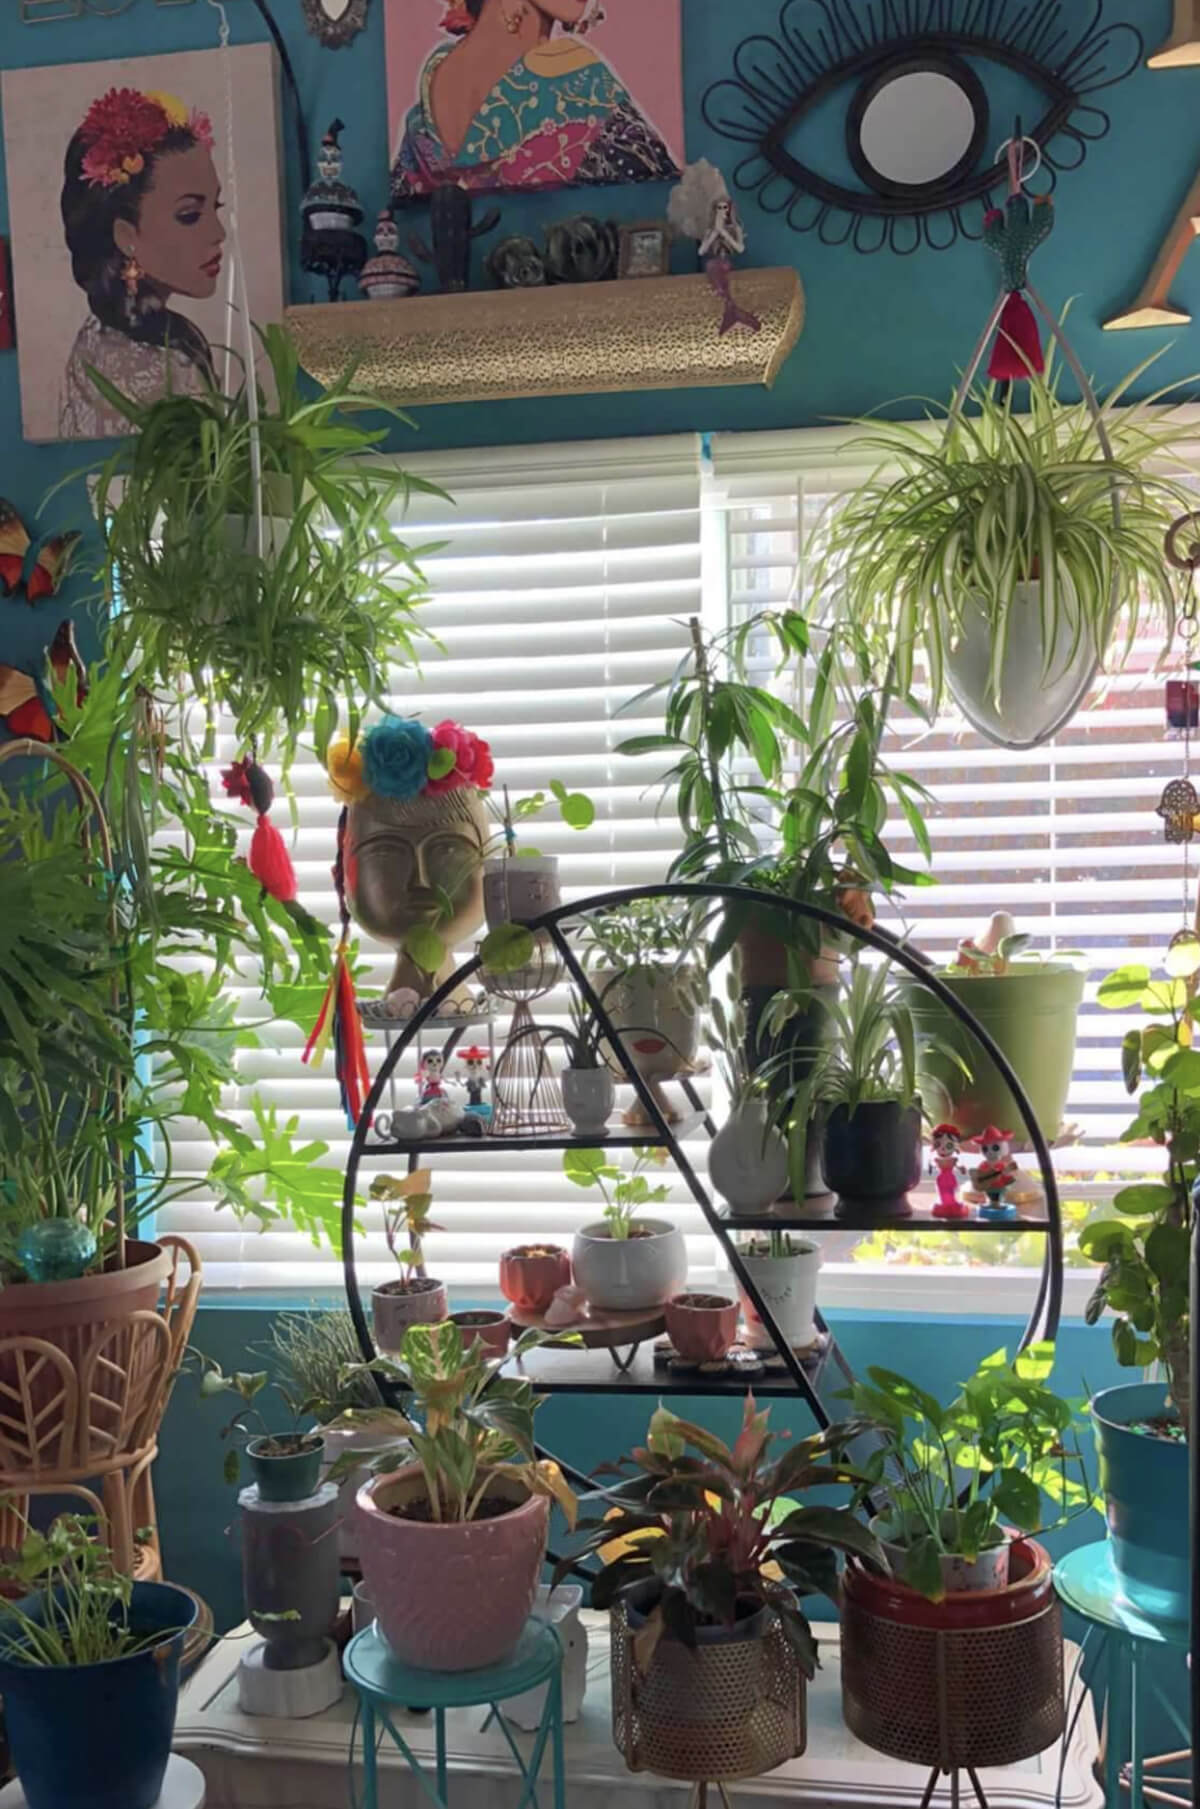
[[748, 1159], [788, 1286], [626, 1274]]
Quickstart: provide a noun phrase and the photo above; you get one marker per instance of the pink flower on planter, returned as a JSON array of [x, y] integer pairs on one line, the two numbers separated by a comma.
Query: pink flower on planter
[[473, 764]]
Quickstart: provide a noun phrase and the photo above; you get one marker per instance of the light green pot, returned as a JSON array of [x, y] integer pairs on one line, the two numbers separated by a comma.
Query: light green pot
[[1030, 1016]]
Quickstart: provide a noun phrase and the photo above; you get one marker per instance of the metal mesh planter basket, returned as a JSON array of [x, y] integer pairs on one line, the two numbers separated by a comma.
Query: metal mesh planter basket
[[726, 1711], [953, 1698]]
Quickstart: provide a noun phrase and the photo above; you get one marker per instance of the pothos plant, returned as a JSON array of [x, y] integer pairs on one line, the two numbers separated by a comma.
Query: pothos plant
[[248, 1386], [1145, 1250], [623, 1192], [408, 1204]]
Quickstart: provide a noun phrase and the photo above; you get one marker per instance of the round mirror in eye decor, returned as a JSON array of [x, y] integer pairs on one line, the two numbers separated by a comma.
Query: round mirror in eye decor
[[335, 22], [916, 127]]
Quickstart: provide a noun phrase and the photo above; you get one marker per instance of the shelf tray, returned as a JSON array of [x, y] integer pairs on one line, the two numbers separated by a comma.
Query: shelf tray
[[618, 1136]]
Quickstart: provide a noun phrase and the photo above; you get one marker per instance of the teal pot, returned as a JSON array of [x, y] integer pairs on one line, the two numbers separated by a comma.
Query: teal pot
[[286, 1476], [99, 1736], [1144, 1481], [1030, 1015], [871, 1158]]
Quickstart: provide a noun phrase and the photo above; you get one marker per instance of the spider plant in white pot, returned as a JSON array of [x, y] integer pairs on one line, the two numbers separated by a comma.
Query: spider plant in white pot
[[748, 1158], [1011, 554]]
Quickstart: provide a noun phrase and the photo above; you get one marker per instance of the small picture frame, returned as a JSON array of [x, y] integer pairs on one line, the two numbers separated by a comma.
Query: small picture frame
[[645, 249]]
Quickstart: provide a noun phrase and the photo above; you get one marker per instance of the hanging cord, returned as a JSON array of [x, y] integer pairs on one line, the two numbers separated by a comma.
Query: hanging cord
[[235, 291], [289, 76]]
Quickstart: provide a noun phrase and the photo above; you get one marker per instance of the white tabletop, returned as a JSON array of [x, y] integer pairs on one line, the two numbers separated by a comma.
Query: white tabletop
[[183, 1788]]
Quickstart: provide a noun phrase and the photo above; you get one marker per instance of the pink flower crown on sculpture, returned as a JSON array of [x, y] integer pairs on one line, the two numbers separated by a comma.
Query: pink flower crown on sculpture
[[400, 758], [125, 126]]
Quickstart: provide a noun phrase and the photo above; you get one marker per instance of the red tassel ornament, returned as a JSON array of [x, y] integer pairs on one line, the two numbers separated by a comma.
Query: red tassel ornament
[[1017, 348], [339, 1022], [269, 860]]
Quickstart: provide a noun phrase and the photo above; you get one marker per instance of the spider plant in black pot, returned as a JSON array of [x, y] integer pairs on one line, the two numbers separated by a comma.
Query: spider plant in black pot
[[257, 553]]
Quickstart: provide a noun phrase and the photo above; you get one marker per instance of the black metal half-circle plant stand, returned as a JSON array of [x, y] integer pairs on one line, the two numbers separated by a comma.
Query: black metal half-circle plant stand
[[577, 1373]]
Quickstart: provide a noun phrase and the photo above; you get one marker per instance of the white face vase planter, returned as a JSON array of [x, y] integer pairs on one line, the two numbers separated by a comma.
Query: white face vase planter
[[627, 1274], [748, 1159], [788, 1286]]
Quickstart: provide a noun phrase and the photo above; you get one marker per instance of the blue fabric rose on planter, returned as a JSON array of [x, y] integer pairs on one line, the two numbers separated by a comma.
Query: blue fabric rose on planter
[[396, 755]]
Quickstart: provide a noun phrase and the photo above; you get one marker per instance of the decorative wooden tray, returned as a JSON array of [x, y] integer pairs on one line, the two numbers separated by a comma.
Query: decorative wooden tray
[[598, 1330]]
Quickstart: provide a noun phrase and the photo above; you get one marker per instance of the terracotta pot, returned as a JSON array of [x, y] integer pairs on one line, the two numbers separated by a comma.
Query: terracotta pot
[[489, 1329], [450, 1597], [625, 1274], [702, 1326], [394, 1309], [660, 1025], [764, 958], [403, 860], [532, 1274]]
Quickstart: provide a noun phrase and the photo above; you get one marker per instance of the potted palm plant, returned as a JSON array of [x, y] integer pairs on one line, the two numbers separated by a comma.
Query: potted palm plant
[[89, 1667], [414, 1298], [1142, 1428], [319, 606], [863, 1084], [626, 1261], [470, 1499], [707, 1557], [1028, 1003], [1011, 554]]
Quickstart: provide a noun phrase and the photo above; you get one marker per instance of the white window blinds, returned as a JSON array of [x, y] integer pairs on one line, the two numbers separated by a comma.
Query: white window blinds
[[1065, 837], [562, 587]]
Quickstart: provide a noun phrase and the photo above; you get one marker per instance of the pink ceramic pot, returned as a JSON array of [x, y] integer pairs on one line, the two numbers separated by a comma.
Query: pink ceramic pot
[[489, 1329], [532, 1274], [701, 1326], [394, 1309], [450, 1597]]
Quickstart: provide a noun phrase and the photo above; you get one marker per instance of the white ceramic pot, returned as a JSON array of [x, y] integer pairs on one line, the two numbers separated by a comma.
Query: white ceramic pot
[[960, 1576], [337, 1440], [1033, 704], [625, 1275], [660, 1024], [519, 887], [559, 1609], [748, 1159], [589, 1095], [788, 1285]]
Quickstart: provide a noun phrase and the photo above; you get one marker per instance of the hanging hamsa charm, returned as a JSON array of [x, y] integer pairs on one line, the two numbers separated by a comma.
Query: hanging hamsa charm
[[1179, 807]]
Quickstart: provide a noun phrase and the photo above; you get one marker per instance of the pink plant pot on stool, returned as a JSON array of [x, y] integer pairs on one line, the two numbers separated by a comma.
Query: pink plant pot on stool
[[450, 1597]]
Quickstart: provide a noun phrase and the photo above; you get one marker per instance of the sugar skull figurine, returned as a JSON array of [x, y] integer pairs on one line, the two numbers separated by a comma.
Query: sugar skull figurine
[[475, 1065], [996, 1173], [430, 1071], [947, 1148]]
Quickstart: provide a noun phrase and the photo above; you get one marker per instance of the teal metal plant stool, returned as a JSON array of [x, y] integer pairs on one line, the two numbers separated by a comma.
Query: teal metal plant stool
[[383, 1683], [1087, 1583]]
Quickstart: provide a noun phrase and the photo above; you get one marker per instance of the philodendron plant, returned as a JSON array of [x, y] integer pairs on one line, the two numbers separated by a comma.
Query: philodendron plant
[[1145, 1249]]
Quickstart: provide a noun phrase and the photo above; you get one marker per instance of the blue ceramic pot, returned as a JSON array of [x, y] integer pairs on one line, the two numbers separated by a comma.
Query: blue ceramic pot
[[99, 1736], [1144, 1481]]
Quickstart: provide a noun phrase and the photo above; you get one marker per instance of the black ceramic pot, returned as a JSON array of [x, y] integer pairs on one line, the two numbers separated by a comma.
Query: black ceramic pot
[[871, 1157]]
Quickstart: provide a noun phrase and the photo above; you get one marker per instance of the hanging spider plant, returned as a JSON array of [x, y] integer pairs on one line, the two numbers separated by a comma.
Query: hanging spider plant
[[1006, 552]]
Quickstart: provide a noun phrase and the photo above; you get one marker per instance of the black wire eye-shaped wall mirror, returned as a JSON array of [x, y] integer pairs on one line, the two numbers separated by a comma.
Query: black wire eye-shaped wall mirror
[[877, 125], [335, 22]]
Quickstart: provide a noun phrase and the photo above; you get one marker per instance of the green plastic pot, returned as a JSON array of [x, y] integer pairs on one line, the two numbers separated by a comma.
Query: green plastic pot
[[1030, 1014], [293, 1476]]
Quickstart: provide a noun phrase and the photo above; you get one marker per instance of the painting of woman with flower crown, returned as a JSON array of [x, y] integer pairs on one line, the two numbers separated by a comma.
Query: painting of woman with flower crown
[[120, 248], [533, 94]]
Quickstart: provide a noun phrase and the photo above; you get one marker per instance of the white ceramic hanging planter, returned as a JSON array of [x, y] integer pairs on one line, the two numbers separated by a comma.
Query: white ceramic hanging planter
[[748, 1159], [1032, 703]]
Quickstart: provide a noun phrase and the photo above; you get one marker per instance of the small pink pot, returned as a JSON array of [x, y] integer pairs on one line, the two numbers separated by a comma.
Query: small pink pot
[[450, 1597], [532, 1274], [491, 1329], [702, 1326], [393, 1311]]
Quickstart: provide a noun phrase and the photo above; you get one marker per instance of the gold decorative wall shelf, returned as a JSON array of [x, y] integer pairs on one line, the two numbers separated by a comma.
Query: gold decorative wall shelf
[[570, 340]]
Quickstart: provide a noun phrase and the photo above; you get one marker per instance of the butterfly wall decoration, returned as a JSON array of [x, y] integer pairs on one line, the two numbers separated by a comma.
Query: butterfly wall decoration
[[25, 702], [37, 567]]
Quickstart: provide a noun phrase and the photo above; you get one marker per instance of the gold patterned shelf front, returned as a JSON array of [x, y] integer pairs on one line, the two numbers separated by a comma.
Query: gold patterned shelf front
[[650, 333]]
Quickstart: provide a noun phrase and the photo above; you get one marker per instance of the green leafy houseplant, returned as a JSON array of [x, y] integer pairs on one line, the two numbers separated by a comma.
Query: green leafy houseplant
[[466, 1422], [311, 1354], [1145, 1249], [248, 1385], [871, 1056], [321, 610], [84, 1600], [715, 1534], [623, 1192], [954, 1475], [958, 519]]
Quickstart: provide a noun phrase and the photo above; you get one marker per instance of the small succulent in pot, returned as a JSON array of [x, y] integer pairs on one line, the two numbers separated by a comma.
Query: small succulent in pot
[[956, 1475], [285, 1465], [717, 1532], [415, 1298]]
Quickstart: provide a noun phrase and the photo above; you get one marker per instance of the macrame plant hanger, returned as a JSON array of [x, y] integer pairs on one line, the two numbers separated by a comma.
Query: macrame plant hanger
[[1014, 233]]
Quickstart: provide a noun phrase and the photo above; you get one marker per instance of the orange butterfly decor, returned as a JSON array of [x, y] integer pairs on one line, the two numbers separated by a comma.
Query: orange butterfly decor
[[49, 565], [24, 700]]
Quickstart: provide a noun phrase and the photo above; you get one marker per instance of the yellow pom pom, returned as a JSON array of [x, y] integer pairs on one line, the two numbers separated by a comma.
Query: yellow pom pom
[[344, 764], [171, 105]]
